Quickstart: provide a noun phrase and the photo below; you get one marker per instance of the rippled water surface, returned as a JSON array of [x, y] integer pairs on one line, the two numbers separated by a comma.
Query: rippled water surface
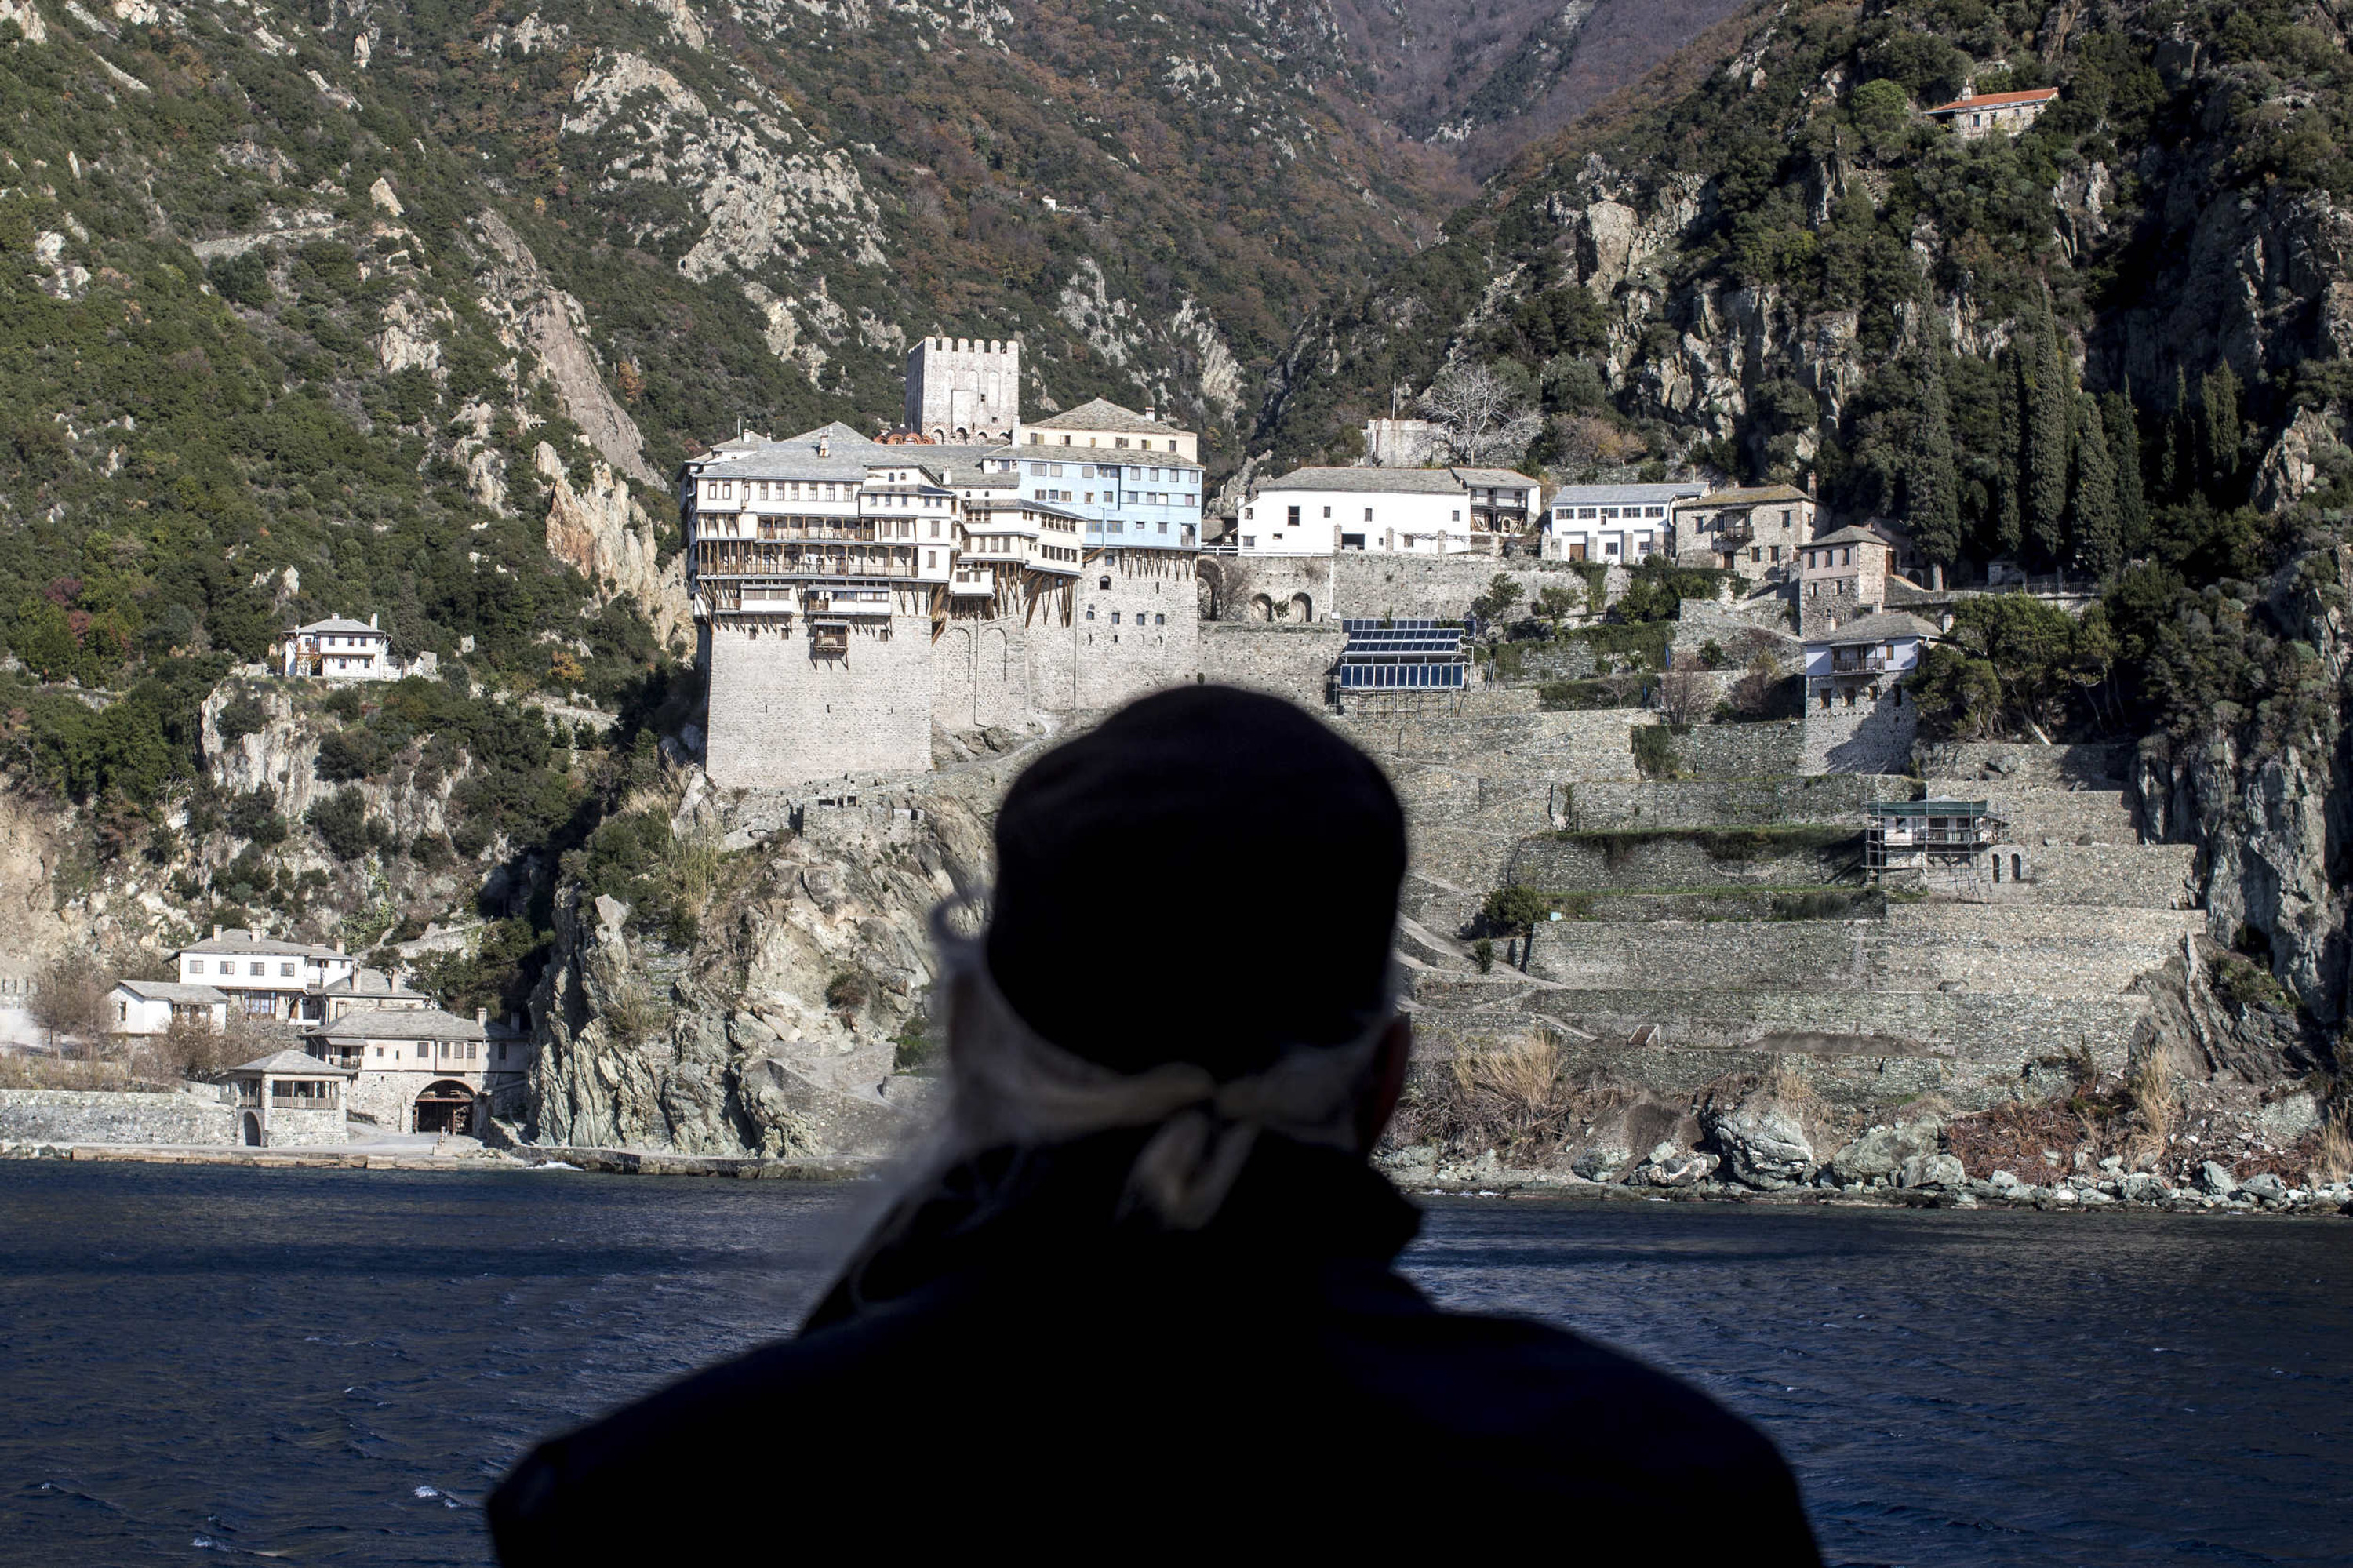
[[335, 1366]]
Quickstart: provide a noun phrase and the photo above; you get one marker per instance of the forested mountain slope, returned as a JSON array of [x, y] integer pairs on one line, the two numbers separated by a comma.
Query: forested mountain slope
[[2118, 345]]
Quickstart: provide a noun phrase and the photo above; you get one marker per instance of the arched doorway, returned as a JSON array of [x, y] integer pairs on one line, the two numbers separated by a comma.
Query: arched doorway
[[446, 1105], [1262, 607], [252, 1130], [1302, 609]]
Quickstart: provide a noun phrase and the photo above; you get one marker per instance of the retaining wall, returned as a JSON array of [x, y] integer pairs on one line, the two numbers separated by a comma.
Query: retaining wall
[[1289, 662], [2063, 816], [1775, 747], [2137, 876], [2104, 764], [1916, 948], [79, 1116], [1359, 583], [2002, 1032], [1567, 866], [1726, 802], [1551, 747]]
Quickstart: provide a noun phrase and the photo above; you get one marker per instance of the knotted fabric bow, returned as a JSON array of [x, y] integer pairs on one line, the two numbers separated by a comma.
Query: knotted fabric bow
[[1010, 1085]]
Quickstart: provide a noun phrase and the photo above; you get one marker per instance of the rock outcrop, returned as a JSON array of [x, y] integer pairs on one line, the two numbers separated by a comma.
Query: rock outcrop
[[777, 1032], [601, 532]]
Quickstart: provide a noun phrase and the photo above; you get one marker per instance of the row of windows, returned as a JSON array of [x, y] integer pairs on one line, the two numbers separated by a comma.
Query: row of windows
[[1143, 443], [1589, 513], [1108, 470], [254, 967], [1842, 557], [1156, 621], [449, 1050], [1130, 498]]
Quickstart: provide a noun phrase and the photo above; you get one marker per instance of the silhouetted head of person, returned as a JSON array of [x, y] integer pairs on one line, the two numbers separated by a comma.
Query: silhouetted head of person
[[1209, 876]]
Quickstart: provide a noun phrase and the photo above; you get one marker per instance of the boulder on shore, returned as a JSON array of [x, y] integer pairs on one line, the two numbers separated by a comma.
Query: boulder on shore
[[1765, 1146]]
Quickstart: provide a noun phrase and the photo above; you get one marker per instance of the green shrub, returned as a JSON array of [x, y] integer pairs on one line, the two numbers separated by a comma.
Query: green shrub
[[1483, 953], [349, 755], [241, 718], [341, 823], [847, 991], [1655, 752], [243, 279], [255, 817], [1515, 908]]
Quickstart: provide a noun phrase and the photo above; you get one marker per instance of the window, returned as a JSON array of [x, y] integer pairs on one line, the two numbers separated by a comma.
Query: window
[[1115, 618], [1090, 612], [470, 1049], [1293, 520], [1826, 699], [420, 1050], [1104, 584], [286, 969], [1756, 552], [1327, 511], [1850, 697], [1368, 513], [1250, 541], [1159, 621], [258, 969], [197, 966], [931, 557]]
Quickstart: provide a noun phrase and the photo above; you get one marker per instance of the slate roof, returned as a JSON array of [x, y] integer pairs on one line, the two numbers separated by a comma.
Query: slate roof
[[1853, 534], [288, 1063], [1882, 627], [344, 626], [1625, 495], [1759, 496], [1102, 415], [241, 942], [1369, 481], [171, 991], [397, 1024], [1487, 478], [1996, 100], [369, 982], [848, 456]]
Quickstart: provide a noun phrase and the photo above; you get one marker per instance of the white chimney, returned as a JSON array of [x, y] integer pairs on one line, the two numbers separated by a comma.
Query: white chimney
[[216, 933], [372, 626], [824, 446], [481, 1017], [1147, 411]]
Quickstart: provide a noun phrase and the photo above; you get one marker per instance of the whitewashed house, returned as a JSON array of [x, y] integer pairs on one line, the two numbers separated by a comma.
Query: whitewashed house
[[1858, 719], [1617, 525], [1382, 510], [262, 977], [148, 1007], [338, 649]]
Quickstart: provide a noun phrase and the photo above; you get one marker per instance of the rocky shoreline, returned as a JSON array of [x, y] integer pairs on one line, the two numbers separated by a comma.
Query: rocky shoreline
[[1934, 1182], [1925, 1182]]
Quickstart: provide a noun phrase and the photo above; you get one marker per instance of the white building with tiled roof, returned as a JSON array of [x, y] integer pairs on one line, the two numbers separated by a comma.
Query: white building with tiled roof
[[148, 1007], [1975, 114], [1618, 525], [420, 1069], [1385, 511], [264, 977], [338, 649]]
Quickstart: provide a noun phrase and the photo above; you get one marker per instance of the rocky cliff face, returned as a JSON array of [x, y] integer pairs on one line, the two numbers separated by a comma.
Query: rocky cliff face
[[777, 1031], [2274, 812]]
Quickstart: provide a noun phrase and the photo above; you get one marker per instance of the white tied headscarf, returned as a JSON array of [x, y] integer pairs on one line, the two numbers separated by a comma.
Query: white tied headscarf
[[1009, 1086]]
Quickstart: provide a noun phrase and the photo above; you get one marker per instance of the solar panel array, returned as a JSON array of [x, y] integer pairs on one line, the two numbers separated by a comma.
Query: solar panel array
[[1402, 653]]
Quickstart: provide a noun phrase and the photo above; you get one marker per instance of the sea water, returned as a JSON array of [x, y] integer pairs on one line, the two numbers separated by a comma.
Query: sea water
[[330, 1366]]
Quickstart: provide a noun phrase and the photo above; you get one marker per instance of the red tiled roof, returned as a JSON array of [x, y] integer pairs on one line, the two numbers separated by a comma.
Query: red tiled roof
[[1997, 99]]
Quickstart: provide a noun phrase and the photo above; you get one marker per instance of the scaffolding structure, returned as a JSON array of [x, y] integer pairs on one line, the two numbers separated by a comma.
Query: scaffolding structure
[[1949, 844]]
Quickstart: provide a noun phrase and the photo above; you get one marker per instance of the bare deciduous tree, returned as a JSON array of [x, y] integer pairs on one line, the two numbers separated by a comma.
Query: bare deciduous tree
[[69, 999], [1225, 588], [1754, 695], [1481, 418], [1685, 696], [1587, 440], [192, 1048]]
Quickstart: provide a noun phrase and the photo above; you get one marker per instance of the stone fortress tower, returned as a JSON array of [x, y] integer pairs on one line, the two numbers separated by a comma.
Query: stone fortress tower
[[961, 390]]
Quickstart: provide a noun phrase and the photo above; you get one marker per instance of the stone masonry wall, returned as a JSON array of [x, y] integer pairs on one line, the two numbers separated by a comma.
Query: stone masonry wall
[[781, 717], [1567, 866], [1726, 803], [1772, 748], [1096, 664], [286, 1129], [1870, 738], [1289, 662], [1357, 584], [74, 1116], [1917, 947]]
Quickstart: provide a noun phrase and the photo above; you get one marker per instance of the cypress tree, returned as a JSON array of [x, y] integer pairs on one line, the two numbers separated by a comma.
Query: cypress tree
[[2008, 530], [2124, 447], [1932, 480], [2173, 447], [2092, 525], [2217, 396], [2050, 421]]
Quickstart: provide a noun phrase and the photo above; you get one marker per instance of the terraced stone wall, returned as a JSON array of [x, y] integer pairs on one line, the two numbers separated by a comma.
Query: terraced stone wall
[[1676, 860], [77, 1116]]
